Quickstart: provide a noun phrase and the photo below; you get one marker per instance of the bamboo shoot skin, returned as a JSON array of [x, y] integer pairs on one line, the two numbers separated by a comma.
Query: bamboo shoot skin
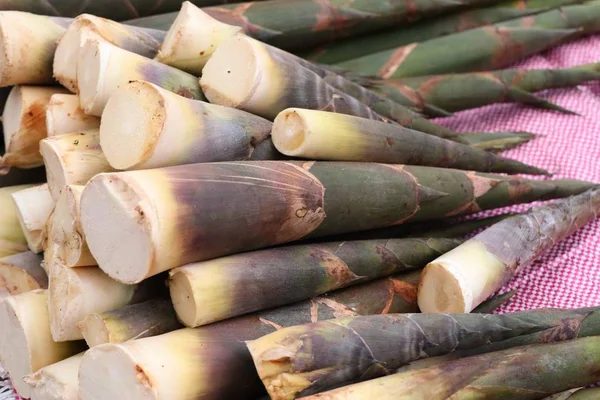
[[34, 206], [22, 273], [211, 291], [102, 68], [142, 41], [38, 34], [59, 381], [63, 115], [132, 322], [65, 238], [461, 279], [166, 129], [26, 344], [529, 372], [74, 293], [24, 123], [264, 82], [72, 159], [319, 135], [212, 362], [120, 211], [12, 238], [193, 38]]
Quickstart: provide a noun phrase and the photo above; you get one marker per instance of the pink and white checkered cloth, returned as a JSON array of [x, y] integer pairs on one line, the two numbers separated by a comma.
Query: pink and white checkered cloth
[[567, 276]]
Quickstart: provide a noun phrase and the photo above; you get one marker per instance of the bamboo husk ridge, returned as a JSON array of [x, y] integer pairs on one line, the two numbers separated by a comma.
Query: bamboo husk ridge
[[314, 269], [226, 369], [34, 206], [142, 41], [455, 282], [307, 198], [173, 130]]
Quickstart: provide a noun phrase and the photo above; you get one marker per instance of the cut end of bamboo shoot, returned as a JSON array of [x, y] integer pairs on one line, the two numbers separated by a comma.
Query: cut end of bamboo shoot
[[110, 208], [58, 381], [115, 364], [63, 115], [459, 280], [289, 132], [65, 232], [184, 298], [130, 127], [92, 63], [67, 53], [193, 38], [233, 73], [94, 330], [34, 206], [12, 114]]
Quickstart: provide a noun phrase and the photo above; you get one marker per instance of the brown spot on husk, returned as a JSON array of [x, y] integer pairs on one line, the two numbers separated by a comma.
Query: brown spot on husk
[[397, 58]]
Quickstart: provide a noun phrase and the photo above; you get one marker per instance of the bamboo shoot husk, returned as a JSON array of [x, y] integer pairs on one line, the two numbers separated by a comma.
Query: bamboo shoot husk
[[166, 129], [136, 321], [24, 122], [28, 46], [212, 362], [34, 206], [22, 273], [58, 381], [102, 68], [25, 341], [320, 135], [142, 41], [461, 279], [65, 234], [64, 115], [72, 159], [12, 238], [140, 223], [75, 293]]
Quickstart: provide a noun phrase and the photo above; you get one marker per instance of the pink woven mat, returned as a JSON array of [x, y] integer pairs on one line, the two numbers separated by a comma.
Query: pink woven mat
[[568, 276]]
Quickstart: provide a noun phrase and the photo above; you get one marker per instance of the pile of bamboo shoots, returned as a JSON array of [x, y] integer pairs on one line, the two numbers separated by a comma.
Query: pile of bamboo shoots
[[190, 211]]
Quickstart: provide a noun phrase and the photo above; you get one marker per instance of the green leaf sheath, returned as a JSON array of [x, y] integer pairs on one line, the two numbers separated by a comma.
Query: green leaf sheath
[[308, 359], [519, 240], [494, 303], [348, 49], [485, 48], [523, 373]]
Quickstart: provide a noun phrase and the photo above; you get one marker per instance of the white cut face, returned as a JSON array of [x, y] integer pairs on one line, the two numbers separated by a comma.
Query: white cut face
[[132, 122], [65, 300], [55, 167], [67, 54], [12, 115], [289, 132], [14, 352], [182, 296], [110, 372], [117, 226], [440, 291], [232, 73], [91, 72]]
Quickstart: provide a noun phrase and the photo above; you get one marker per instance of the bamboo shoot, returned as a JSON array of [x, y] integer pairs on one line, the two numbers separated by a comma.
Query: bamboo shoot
[[34, 206], [63, 115], [22, 273], [12, 238], [59, 381]]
